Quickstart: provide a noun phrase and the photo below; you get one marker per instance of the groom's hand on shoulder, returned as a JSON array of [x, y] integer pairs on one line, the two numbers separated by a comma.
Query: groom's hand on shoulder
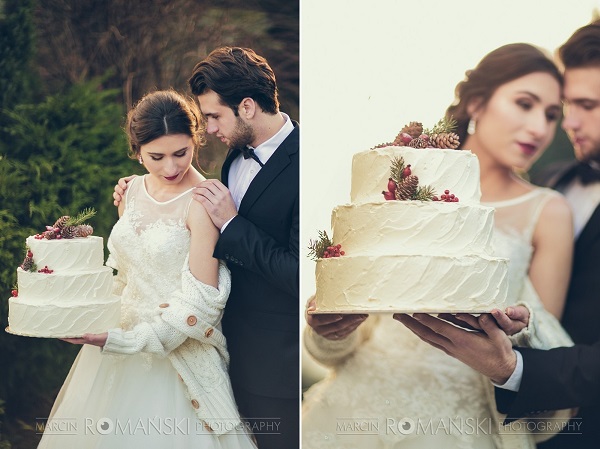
[[217, 200], [120, 188]]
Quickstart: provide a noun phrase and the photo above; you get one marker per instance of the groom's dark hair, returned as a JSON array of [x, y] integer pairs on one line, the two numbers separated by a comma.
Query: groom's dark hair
[[235, 73], [582, 49]]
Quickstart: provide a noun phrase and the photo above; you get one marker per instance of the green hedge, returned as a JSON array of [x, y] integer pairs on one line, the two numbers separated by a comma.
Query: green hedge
[[57, 157]]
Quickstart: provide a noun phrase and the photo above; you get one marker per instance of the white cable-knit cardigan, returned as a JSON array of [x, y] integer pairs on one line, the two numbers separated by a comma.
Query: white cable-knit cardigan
[[185, 330]]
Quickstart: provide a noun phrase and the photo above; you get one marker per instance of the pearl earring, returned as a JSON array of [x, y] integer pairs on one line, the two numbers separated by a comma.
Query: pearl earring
[[471, 127], [140, 159]]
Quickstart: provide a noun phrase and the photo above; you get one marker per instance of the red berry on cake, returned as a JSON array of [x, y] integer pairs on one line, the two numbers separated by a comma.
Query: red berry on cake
[[406, 172], [388, 195], [446, 191], [405, 138], [391, 185], [15, 293]]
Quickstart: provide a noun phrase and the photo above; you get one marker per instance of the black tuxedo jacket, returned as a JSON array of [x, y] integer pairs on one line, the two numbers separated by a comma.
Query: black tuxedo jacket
[[583, 298], [260, 246], [563, 378], [557, 379]]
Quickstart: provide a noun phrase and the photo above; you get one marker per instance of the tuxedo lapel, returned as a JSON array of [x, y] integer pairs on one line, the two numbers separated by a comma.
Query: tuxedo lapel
[[274, 166], [590, 232], [563, 176], [233, 153]]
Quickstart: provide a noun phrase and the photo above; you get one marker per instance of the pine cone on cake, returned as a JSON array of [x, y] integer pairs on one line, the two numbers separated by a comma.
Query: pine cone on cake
[[414, 129], [28, 264], [407, 188], [83, 230], [419, 142], [68, 232], [61, 222], [444, 140]]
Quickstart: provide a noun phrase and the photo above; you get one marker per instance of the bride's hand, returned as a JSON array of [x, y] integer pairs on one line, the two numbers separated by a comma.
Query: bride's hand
[[89, 339], [513, 321], [332, 326]]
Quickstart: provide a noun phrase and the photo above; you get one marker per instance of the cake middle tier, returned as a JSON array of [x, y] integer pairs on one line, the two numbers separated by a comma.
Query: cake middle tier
[[65, 286], [401, 283], [413, 227]]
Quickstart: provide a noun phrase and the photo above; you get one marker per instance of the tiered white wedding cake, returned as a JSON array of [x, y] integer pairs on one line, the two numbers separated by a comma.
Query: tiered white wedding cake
[[64, 289], [421, 246]]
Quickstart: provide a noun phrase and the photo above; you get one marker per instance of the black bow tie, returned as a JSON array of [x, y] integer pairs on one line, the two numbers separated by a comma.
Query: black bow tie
[[587, 174], [249, 153]]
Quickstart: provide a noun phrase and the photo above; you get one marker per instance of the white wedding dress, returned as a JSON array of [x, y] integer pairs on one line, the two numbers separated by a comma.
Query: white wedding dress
[[388, 389], [136, 401]]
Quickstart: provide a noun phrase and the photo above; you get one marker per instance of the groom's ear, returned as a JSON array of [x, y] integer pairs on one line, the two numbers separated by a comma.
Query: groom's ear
[[247, 108]]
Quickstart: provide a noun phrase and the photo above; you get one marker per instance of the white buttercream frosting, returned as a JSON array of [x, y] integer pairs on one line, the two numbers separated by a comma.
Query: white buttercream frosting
[[400, 283], [75, 298], [64, 287], [454, 170], [63, 320], [413, 256], [413, 227], [79, 254]]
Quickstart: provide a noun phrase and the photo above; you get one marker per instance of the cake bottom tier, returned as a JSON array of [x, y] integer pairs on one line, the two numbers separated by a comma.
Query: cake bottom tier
[[409, 284], [27, 318]]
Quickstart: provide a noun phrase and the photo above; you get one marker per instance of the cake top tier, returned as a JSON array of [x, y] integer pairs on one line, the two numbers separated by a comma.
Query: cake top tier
[[442, 169], [77, 254]]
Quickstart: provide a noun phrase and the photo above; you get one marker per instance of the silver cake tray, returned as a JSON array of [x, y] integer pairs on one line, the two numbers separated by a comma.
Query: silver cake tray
[[392, 311], [8, 330]]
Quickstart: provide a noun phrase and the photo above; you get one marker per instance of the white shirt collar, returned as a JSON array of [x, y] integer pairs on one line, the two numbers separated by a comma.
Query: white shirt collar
[[266, 149]]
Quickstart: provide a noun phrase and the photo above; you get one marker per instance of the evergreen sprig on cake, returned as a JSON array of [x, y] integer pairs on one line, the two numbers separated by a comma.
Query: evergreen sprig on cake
[[403, 185], [323, 247], [67, 227], [441, 136]]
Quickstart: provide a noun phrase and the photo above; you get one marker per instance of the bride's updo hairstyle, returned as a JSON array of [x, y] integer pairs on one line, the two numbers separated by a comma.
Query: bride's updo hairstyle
[[498, 67], [163, 113]]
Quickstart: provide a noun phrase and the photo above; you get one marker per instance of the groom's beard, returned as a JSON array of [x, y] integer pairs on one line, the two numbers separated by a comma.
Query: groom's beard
[[243, 135]]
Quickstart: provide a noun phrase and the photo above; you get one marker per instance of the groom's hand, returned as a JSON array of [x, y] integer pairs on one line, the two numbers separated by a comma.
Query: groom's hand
[[332, 326], [488, 351], [512, 321], [217, 200], [120, 188]]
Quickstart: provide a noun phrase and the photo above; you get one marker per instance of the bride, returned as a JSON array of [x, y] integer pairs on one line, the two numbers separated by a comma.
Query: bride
[[161, 380], [388, 389]]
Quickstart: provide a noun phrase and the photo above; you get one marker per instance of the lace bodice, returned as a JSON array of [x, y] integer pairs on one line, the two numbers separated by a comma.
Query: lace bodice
[[150, 237], [514, 224]]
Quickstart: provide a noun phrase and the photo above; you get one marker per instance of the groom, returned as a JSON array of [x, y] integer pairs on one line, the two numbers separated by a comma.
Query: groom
[[256, 208]]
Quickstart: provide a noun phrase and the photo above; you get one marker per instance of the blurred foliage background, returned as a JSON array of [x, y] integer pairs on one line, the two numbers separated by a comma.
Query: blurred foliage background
[[69, 70]]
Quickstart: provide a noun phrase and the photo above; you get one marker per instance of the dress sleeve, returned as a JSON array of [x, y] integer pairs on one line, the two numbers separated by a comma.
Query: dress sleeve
[[544, 330], [193, 312], [333, 352]]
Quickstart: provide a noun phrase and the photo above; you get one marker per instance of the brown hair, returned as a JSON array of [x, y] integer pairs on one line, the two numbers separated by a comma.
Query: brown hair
[[498, 67], [582, 49], [235, 73], [163, 113]]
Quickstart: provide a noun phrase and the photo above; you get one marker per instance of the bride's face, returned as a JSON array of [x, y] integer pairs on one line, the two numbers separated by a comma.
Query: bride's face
[[168, 158], [518, 122]]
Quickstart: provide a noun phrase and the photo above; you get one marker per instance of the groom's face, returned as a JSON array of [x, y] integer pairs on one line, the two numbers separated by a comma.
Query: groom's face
[[231, 129], [582, 111]]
